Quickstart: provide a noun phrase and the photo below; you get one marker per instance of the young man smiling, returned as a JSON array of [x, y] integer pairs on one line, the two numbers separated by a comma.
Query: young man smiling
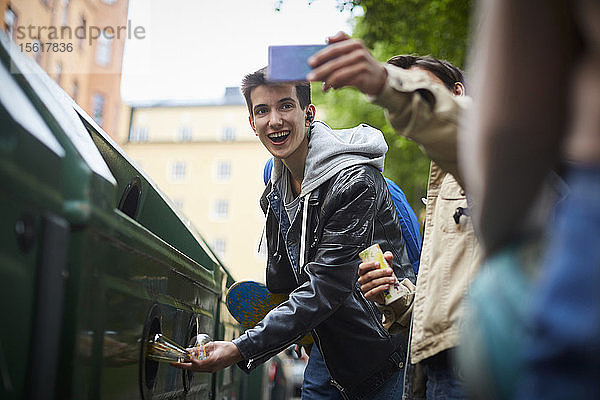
[[326, 201]]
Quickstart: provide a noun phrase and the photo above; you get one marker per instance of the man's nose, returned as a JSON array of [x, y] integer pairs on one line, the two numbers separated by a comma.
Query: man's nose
[[275, 119]]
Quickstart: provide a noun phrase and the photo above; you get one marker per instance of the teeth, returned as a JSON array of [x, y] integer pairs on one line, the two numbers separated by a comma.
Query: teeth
[[279, 134]]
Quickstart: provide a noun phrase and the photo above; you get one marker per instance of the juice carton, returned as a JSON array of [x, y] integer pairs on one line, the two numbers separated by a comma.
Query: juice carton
[[374, 253]]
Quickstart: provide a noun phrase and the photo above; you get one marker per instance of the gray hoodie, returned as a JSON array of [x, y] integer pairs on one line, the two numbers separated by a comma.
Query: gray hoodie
[[330, 151]]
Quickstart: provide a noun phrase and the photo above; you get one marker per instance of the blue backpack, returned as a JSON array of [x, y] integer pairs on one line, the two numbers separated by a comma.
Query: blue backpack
[[408, 219]]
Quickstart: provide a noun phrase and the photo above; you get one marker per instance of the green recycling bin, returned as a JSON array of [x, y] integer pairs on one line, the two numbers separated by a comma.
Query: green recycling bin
[[94, 261]]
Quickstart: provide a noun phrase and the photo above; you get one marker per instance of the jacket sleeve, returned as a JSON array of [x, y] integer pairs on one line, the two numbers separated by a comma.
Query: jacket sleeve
[[397, 315], [425, 112], [348, 211]]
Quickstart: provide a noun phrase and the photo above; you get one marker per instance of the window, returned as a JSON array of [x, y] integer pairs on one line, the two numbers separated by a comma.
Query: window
[[138, 134], [219, 246], [10, 22], [37, 50], [64, 16], [178, 171], [58, 72], [223, 170], [221, 209], [178, 203], [228, 133], [80, 38], [184, 134], [104, 49], [98, 108], [75, 91]]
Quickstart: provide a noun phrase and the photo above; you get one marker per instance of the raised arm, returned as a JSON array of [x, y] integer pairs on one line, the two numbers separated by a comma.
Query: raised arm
[[512, 136]]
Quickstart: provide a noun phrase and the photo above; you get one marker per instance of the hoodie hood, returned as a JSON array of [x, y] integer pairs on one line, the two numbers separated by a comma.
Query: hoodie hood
[[330, 151]]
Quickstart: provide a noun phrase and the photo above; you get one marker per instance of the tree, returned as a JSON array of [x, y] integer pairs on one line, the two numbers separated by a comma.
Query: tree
[[439, 28]]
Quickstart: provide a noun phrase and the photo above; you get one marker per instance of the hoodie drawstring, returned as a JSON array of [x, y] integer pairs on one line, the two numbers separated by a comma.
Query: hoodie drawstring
[[304, 224]]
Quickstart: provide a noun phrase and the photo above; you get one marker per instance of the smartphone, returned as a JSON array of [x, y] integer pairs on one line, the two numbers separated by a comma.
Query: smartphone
[[290, 63]]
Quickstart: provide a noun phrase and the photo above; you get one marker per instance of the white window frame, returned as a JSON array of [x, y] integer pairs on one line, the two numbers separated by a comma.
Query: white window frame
[[64, 16], [177, 171], [10, 21], [223, 170], [227, 134], [138, 133], [75, 91], [178, 203], [58, 69], [104, 46], [221, 209], [219, 246], [184, 134], [98, 114]]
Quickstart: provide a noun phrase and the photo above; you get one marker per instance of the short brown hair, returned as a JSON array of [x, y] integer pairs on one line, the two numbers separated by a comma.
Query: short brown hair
[[258, 78], [448, 73]]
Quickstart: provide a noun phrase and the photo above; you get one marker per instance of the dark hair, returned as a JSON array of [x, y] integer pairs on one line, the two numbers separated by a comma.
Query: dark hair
[[448, 73], [258, 78]]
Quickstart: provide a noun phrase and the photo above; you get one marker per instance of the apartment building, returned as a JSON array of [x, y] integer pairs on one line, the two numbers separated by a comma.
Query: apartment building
[[208, 161], [80, 44]]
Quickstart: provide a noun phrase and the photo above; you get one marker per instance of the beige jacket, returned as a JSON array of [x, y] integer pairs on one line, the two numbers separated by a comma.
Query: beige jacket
[[428, 114]]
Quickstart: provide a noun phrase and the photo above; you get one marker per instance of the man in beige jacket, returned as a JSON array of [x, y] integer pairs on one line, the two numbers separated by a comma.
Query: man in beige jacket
[[423, 100]]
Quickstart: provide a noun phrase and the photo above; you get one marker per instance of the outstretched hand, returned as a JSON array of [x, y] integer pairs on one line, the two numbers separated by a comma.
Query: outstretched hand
[[347, 62], [220, 355], [374, 280]]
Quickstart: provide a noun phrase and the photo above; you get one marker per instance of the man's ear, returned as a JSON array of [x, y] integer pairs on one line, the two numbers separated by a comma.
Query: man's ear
[[311, 112], [458, 89], [251, 120]]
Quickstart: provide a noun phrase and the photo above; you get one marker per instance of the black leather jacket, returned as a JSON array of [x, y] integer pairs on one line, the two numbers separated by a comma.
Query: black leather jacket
[[346, 214]]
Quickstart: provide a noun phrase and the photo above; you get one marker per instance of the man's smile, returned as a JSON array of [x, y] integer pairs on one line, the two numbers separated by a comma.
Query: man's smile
[[278, 137]]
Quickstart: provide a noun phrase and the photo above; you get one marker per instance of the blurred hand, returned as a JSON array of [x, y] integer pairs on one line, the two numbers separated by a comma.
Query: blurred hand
[[347, 62], [373, 280], [220, 355]]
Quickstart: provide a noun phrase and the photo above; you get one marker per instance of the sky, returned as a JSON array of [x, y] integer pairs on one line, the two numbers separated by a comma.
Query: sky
[[193, 49]]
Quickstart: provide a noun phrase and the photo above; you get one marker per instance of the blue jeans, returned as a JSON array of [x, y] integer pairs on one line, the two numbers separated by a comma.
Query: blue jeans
[[562, 359], [392, 389], [317, 382], [442, 378]]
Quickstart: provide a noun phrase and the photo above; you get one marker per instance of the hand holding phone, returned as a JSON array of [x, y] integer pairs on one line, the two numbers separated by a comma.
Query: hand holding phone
[[289, 63], [359, 69]]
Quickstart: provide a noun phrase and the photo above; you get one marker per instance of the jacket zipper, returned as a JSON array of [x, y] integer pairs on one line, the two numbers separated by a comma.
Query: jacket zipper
[[378, 323], [287, 251], [333, 381], [276, 351]]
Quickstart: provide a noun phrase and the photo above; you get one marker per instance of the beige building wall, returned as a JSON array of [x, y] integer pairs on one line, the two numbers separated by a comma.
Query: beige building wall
[[88, 70], [210, 164]]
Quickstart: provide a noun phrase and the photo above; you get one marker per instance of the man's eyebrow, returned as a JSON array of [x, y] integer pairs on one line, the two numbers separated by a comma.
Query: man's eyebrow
[[279, 101], [286, 99], [258, 106]]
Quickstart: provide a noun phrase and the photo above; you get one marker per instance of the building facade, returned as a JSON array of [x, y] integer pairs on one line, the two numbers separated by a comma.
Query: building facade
[[80, 44], [209, 162], [204, 156]]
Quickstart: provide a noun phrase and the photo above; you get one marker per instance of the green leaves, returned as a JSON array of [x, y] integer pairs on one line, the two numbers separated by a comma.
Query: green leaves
[[425, 27], [439, 28]]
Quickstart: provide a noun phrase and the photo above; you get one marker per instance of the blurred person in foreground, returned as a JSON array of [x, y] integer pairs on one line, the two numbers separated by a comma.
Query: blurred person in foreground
[[326, 201], [423, 98], [550, 52]]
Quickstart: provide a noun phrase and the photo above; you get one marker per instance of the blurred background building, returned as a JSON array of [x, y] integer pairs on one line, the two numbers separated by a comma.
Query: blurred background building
[[208, 160], [89, 70], [204, 156]]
